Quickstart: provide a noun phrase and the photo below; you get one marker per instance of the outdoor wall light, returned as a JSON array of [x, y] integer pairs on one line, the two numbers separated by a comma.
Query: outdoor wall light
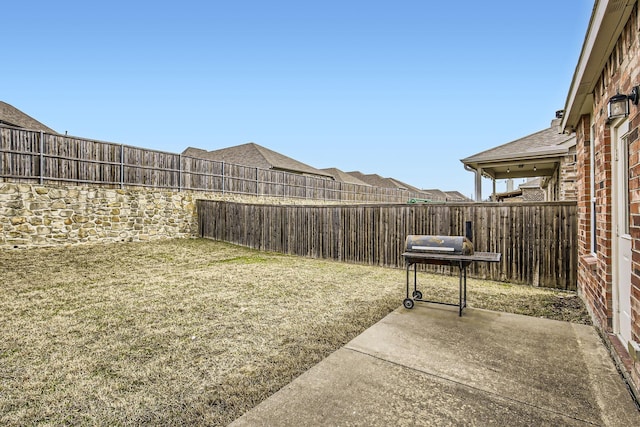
[[619, 103]]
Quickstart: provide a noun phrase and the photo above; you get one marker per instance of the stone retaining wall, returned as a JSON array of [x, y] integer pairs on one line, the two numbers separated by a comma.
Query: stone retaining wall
[[46, 215]]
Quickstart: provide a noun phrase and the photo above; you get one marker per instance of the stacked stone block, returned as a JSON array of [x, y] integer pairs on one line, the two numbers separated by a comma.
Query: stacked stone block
[[47, 215]]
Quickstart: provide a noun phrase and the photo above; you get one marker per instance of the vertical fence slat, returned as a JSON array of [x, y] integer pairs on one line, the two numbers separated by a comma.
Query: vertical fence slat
[[536, 241], [66, 159]]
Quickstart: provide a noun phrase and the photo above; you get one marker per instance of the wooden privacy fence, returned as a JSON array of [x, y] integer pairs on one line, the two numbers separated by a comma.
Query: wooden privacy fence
[[538, 241], [35, 156]]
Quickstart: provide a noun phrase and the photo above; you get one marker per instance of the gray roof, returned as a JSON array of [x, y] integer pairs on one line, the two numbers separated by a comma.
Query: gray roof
[[533, 155], [456, 196], [532, 183], [254, 155], [378, 181], [401, 184], [539, 144], [435, 194], [11, 116], [342, 176]]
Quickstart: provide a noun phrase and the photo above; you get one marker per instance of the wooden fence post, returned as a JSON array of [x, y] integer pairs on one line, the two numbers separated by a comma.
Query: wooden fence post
[[179, 172], [121, 166], [41, 157]]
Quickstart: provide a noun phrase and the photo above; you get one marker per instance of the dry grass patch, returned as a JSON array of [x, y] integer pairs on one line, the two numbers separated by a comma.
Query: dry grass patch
[[190, 331]]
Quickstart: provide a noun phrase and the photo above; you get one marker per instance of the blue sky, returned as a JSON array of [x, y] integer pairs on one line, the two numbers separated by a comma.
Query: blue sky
[[403, 88]]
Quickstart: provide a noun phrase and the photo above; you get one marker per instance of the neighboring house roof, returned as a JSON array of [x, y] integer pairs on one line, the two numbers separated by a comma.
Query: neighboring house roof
[[456, 196], [401, 184], [195, 152], [532, 183], [435, 194], [533, 155], [378, 181], [254, 155], [10, 115], [373, 179], [342, 176]]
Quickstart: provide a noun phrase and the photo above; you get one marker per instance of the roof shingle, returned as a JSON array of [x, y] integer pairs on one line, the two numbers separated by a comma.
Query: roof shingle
[[342, 176], [11, 116], [539, 144], [254, 155]]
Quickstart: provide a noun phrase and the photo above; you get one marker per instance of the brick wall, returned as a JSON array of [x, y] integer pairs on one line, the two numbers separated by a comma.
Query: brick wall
[[562, 185], [595, 270], [590, 267]]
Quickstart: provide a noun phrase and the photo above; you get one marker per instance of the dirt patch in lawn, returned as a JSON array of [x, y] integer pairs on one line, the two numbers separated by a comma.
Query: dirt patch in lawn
[[191, 332]]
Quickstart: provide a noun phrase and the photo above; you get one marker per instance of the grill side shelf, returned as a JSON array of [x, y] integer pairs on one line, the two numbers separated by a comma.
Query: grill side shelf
[[425, 258]]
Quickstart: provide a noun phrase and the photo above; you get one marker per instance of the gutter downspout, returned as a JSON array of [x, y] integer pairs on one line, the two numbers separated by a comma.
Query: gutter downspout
[[478, 181]]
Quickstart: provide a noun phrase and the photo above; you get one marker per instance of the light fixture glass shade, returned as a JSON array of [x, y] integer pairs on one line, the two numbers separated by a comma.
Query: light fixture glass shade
[[618, 106]]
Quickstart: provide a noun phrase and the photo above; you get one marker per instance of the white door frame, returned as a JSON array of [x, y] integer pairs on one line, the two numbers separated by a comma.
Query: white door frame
[[621, 239]]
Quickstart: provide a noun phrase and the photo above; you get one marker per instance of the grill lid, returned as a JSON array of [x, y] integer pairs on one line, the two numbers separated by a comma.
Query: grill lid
[[454, 245]]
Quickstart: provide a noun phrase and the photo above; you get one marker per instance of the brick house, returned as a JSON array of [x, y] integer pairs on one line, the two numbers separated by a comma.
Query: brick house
[[608, 177]]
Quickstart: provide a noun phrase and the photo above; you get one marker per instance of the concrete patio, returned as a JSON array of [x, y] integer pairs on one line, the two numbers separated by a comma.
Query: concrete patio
[[427, 366]]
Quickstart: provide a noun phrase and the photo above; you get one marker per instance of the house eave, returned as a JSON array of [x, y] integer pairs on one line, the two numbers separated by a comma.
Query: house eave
[[607, 22], [546, 155], [518, 167]]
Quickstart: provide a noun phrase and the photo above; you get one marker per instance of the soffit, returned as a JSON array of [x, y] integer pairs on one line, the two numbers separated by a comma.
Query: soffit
[[607, 21]]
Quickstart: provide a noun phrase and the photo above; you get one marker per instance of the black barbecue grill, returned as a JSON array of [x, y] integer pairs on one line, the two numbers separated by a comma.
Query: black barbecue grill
[[442, 250]]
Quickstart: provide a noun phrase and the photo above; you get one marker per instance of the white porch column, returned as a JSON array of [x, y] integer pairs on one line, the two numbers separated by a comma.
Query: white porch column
[[479, 184], [493, 195]]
